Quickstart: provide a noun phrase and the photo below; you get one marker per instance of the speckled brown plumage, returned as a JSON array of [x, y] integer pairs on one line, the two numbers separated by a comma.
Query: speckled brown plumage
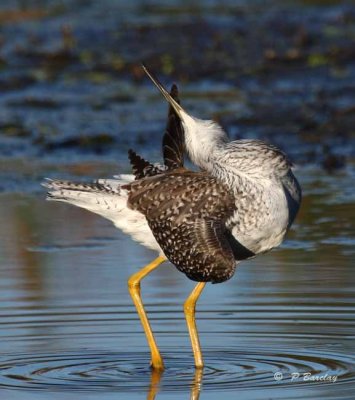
[[186, 212]]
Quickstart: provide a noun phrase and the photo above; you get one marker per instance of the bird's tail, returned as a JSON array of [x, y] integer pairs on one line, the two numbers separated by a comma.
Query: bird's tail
[[105, 197], [108, 198]]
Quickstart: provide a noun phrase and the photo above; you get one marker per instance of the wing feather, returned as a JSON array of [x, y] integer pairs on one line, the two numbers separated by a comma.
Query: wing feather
[[173, 139], [186, 212]]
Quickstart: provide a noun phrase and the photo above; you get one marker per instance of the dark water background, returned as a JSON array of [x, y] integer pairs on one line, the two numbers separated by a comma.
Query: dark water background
[[73, 100]]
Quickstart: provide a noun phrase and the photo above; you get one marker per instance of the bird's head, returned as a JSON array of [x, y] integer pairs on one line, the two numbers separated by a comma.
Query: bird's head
[[201, 136]]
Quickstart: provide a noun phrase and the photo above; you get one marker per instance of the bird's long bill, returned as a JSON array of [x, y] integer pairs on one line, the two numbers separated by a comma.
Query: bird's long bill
[[176, 106]]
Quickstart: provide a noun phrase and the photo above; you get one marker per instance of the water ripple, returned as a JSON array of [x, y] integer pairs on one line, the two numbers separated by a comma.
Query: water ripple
[[104, 371]]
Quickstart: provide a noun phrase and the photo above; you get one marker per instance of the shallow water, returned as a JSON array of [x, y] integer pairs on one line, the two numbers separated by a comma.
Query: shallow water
[[69, 330]]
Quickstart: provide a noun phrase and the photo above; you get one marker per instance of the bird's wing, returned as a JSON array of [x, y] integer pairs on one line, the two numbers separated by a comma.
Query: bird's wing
[[173, 139], [173, 147], [142, 168], [186, 212]]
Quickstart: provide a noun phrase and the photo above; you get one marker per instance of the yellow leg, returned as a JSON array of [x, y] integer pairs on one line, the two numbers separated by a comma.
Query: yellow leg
[[134, 288], [189, 309]]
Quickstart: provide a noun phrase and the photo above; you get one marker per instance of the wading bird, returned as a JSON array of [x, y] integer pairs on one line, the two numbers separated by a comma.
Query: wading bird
[[241, 203]]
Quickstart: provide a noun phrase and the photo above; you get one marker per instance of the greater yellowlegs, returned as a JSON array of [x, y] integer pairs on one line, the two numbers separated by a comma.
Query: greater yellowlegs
[[241, 203]]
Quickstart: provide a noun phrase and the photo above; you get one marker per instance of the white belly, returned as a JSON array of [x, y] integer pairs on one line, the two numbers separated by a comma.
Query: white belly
[[261, 227]]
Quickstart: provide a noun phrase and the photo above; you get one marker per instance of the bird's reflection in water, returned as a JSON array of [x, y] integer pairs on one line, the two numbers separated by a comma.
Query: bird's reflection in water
[[196, 384], [154, 383], [156, 376]]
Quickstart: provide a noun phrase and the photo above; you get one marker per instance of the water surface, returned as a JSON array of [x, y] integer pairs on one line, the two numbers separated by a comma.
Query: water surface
[[68, 327]]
